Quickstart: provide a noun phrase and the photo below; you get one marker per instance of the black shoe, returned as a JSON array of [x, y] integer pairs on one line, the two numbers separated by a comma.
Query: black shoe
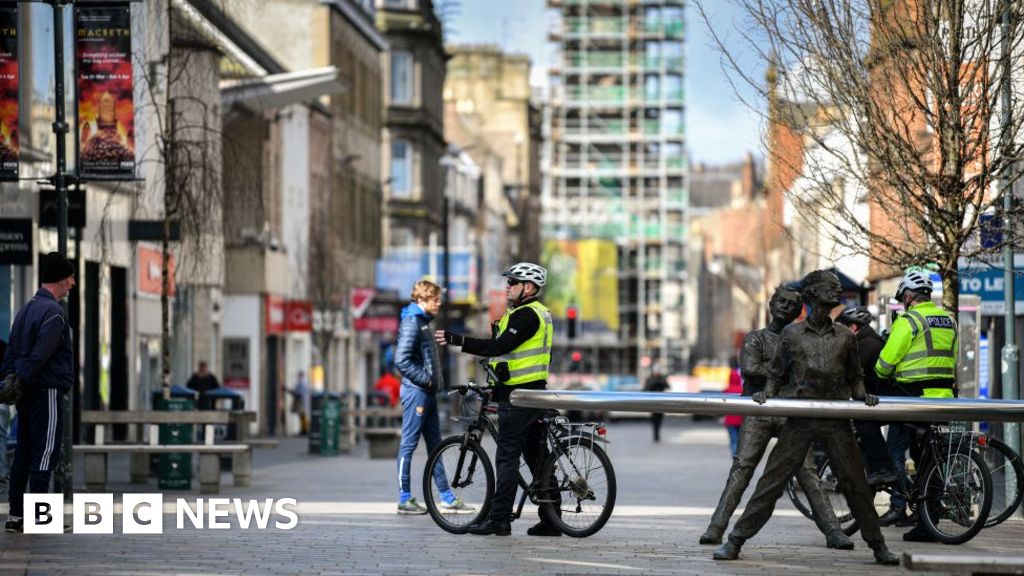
[[918, 534], [543, 529], [711, 536], [488, 527], [728, 551], [839, 541], [881, 478], [892, 516], [884, 556], [14, 525], [908, 521]]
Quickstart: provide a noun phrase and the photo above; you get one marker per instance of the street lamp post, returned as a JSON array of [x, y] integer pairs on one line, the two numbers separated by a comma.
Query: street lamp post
[[447, 165], [63, 478], [1011, 352]]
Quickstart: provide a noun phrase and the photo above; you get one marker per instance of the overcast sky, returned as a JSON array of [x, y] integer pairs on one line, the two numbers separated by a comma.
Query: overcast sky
[[719, 127]]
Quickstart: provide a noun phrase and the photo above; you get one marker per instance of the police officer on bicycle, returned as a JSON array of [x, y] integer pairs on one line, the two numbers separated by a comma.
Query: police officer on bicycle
[[520, 355], [920, 355]]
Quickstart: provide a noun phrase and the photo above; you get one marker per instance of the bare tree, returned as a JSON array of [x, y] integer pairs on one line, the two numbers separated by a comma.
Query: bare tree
[[182, 98], [898, 104]]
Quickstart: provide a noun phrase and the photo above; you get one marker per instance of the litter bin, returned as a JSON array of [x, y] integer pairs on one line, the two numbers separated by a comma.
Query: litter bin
[[222, 399], [174, 471], [324, 424]]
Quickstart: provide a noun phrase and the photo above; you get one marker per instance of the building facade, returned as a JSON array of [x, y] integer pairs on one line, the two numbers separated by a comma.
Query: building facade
[[619, 174], [341, 176]]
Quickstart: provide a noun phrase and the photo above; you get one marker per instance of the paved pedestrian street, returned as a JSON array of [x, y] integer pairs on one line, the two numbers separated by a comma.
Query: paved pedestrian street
[[347, 525]]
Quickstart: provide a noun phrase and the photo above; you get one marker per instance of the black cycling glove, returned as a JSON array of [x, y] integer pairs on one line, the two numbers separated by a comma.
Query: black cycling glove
[[453, 338]]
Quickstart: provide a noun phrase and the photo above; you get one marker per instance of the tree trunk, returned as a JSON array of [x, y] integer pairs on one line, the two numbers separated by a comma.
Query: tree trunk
[[950, 286]]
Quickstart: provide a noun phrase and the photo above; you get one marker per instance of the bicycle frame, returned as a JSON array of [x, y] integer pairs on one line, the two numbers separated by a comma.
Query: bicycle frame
[[558, 436]]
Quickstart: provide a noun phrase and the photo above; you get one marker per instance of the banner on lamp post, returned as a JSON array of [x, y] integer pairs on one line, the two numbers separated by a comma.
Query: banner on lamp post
[[106, 124], [8, 91]]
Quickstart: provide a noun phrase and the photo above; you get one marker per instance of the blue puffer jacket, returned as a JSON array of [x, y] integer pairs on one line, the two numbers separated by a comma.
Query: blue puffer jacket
[[415, 354]]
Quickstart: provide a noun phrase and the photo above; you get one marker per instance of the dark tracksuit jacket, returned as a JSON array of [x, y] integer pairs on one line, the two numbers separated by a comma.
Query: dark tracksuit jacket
[[40, 353]]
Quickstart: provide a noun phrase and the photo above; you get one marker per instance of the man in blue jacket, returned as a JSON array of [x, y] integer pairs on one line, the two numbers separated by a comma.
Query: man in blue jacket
[[40, 355], [416, 360]]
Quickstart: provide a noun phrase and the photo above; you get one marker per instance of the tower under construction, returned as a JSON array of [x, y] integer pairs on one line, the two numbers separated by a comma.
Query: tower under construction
[[617, 178]]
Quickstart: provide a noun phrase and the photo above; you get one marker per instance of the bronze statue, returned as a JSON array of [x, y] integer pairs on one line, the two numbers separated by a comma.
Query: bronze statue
[[817, 359], [759, 350]]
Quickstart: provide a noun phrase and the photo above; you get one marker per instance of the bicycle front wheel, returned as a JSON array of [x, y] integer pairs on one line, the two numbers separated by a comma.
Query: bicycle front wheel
[[577, 488], [956, 496], [1007, 478], [466, 471]]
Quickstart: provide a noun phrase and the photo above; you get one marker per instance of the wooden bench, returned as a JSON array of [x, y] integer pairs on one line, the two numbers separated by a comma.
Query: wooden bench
[[976, 564], [95, 455]]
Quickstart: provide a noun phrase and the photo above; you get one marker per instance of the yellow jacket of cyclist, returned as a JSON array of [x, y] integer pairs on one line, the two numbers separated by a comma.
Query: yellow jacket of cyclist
[[531, 360], [921, 351]]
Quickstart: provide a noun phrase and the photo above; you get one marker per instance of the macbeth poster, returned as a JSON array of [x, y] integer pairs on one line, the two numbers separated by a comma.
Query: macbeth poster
[[106, 125], [8, 92]]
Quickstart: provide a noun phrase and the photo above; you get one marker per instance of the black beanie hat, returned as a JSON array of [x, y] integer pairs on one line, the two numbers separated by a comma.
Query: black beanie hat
[[53, 268]]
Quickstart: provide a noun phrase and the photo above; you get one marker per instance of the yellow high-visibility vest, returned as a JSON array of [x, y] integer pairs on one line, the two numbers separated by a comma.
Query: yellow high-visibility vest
[[922, 346], [531, 360]]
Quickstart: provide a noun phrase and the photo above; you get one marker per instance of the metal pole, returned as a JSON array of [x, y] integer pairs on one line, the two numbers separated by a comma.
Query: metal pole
[[891, 408], [446, 278], [1011, 353], [63, 478]]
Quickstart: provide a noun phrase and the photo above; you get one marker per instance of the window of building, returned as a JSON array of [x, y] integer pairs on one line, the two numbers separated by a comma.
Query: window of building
[[402, 238], [402, 65], [401, 169]]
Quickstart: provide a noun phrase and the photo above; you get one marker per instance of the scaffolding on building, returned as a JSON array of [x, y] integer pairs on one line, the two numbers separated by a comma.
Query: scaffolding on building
[[618, 166]]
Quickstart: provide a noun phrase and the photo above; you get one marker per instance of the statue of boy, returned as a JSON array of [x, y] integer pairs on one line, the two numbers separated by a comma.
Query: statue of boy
[[760, 347], [817, 359]]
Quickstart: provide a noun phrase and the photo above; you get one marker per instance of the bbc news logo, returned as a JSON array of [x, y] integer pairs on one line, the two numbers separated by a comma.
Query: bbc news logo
[[144, 514]]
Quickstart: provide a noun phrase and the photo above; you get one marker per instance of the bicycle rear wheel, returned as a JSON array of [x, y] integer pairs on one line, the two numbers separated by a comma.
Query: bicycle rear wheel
[[955, 496], [1007, 478], [467, 471], [830, 486], [577, 489]]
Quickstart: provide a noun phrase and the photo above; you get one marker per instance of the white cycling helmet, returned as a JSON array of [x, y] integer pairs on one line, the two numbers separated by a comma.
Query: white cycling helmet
[[527, 272], [914, 281]]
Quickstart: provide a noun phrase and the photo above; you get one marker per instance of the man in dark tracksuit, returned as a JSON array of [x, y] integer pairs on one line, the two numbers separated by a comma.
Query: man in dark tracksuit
[[40, 354], [521, 356]]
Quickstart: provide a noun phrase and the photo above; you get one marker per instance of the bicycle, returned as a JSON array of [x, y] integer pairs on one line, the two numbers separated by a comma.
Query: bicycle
[[576, 491], [1007, 477], [952, 492]]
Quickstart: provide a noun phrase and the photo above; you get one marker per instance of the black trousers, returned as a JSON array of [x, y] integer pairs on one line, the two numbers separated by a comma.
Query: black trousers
[[519, 434], [789, 455], [656, 419], [40, 422], [876, 453], [755, 434]]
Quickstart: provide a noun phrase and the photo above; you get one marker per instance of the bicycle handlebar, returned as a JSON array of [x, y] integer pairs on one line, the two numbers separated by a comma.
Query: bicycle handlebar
[[472, 386]]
